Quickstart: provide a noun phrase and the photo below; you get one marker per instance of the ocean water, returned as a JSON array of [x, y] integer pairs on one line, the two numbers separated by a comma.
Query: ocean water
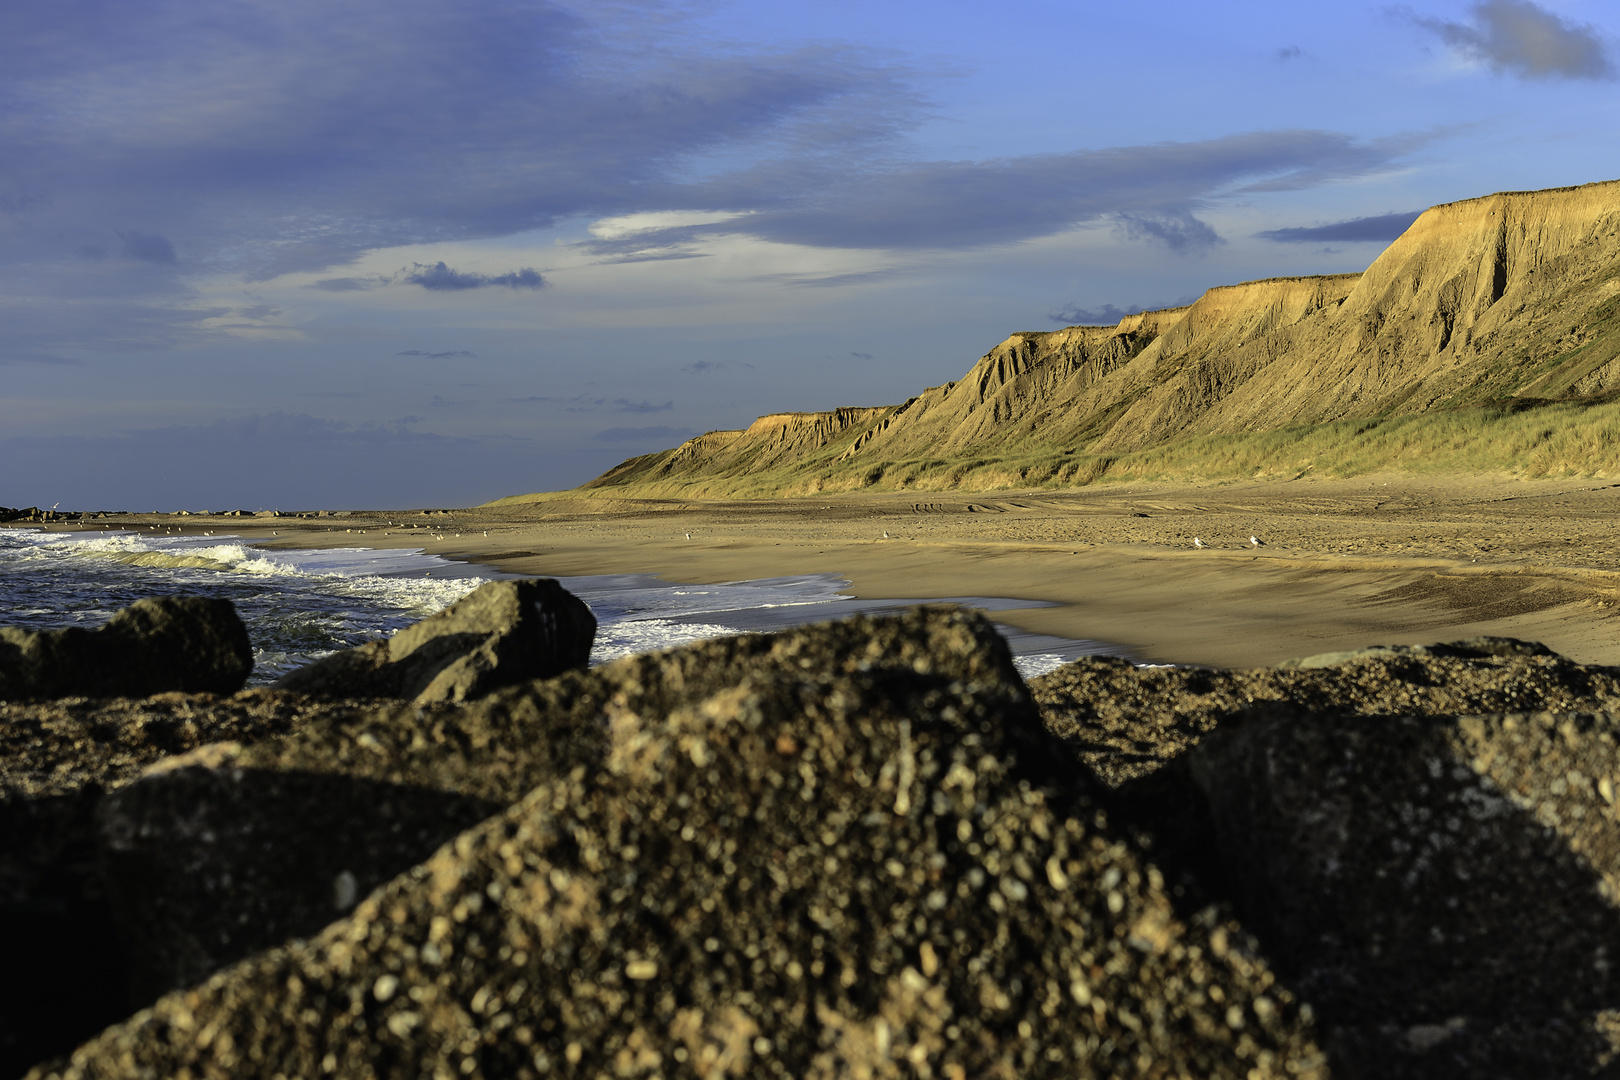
[[301, 605]]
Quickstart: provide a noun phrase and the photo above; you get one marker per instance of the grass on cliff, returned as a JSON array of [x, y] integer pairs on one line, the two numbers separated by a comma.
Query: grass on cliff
[[1547, 440]]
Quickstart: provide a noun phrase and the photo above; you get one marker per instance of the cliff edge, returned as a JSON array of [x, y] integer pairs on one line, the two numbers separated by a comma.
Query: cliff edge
[[1488, 306]]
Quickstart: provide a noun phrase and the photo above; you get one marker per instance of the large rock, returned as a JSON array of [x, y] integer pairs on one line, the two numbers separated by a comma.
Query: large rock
[[1127, 722], [65, 970], [810, 873], [500, 634], [233, 849], [191, 644], [1445, 891]]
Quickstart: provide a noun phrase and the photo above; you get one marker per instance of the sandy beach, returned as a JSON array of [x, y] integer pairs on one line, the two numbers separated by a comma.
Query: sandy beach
[[1380, 559]]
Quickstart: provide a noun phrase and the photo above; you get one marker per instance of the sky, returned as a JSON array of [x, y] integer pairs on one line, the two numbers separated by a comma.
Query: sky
[[306, 254]]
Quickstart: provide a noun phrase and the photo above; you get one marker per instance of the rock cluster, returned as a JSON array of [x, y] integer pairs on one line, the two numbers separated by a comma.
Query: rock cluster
[[863, 849]]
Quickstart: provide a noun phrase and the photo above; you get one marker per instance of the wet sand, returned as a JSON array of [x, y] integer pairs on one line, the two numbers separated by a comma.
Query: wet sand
[[1376, 560]]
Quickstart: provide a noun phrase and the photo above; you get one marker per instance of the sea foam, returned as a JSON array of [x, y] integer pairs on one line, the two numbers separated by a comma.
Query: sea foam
[[300, 605]]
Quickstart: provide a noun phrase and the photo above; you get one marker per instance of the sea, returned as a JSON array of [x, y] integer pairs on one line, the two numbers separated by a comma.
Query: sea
[[300, 605]]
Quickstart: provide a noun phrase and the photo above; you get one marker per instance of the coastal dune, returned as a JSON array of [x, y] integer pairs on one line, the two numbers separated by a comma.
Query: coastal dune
[[1486, 306]]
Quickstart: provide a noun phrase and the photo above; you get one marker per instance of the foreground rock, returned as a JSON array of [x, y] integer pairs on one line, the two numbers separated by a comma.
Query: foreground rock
[[812, 872], [218, 854], [191, 644], [503, 633], [1127, 722], [1446, 891], [65, 971]]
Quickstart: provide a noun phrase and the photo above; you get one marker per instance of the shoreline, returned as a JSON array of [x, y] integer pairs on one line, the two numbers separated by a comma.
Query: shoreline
[[1345, 563]]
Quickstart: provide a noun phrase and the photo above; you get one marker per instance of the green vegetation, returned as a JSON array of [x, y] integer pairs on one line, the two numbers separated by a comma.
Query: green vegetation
[[1514, 438]]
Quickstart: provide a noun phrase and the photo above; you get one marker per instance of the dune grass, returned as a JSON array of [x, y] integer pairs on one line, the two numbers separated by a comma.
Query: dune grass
[[1545, 440]]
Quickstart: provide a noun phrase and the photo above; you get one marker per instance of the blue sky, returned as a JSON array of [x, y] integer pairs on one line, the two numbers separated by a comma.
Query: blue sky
[[409, 252]]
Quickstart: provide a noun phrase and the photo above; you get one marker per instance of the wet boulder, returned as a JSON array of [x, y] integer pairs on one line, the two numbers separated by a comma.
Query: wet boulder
[[191, 644], [1445, 891], [502, 633], [808, 873]]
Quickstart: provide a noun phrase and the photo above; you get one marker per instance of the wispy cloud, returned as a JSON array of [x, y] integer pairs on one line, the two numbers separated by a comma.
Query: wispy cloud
[[147, 247], [1380, 229], [1524, 39], [646, 436], [454, 355], [1151, 192], [441, 278], [9, 358], [704, 367], [346, 284], [624, 405], [1108, 314], [863, 356], [830, 281]]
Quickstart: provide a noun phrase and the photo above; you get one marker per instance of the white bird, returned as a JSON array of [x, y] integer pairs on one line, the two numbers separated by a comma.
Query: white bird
[[1197, 543], [1255, 541], [885, 534], [486, 532], [689, 536]]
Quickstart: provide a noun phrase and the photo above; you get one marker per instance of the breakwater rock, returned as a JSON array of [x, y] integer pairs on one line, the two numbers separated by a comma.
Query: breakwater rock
[[193, 644], [502, 633], [861, 849]]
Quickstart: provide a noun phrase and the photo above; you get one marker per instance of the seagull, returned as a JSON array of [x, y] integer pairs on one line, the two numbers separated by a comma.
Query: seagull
[[885, 534], [1197, 543], [689, 536], [1255, 541]]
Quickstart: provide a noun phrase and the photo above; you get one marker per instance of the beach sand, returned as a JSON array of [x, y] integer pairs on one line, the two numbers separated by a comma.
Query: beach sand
[[1346, 563]]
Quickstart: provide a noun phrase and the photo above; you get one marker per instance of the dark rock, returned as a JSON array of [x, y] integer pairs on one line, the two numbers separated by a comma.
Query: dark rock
[[1476, 648], [1127, 722], [832, 867], [65, 970], [226, 851], [502, 633], [1418, 877], [191, 644], [372, 792]]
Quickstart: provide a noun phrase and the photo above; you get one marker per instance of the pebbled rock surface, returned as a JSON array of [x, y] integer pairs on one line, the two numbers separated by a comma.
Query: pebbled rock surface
[[502, 633], [57, 759], [809, 873], [232, 849], [1127, 722], [1445, 888], [192, 644]]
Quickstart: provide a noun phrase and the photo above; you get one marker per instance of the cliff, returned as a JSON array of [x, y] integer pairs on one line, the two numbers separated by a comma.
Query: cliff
[[1502, 302]]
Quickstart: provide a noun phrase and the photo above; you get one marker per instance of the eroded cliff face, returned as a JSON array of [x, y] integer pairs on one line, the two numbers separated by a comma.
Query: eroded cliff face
[[1514, 295]]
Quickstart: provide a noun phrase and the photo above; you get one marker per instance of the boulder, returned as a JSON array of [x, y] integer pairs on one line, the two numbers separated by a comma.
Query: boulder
[[232, 849], [500, 634], [66, 975], [192, 644], [1128, 722], [1445, 891], [854, 869]]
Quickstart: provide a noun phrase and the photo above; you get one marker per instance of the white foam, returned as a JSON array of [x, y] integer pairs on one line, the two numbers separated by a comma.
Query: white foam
[[375, 589]]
